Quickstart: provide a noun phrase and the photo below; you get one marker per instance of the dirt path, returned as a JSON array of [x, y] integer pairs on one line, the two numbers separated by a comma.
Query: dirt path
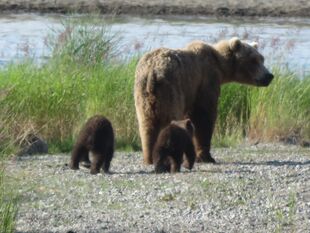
[[296, 8], [264, 188]]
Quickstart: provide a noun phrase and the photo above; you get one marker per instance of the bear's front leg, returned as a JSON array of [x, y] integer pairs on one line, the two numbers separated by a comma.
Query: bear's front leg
[[78, 153], [204, 119], [175, 164]]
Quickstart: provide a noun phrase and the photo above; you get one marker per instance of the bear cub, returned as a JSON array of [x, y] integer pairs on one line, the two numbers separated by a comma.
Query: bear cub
[[173, 141], [94, 145]]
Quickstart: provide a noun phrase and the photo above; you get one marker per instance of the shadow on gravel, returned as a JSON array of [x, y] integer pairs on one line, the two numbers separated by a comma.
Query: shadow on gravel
[[132, 173], [154, 173], [275, 163]]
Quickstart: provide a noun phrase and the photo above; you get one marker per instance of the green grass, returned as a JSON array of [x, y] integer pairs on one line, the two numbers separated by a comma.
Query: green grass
[[85, 77], [285, 219], [55, 101], [8, 205], [265, 114], [282, 109], [233, 115]]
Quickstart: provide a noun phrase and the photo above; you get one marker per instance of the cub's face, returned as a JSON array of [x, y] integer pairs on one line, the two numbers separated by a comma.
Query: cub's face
[[249, 64]]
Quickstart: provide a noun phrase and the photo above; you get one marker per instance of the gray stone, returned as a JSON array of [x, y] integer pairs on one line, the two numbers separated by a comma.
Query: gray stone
[[33, 145]]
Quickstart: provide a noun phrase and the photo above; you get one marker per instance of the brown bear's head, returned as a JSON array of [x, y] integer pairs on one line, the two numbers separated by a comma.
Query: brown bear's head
[[185, 124], [248, 64]]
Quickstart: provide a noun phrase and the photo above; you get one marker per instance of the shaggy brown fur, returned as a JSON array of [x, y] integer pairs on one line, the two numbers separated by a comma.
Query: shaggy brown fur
[[170, 84], [94, 145], [174, 141]]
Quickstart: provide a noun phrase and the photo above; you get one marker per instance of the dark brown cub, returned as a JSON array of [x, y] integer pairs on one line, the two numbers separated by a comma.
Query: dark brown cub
[[95, 145], [172, 142]]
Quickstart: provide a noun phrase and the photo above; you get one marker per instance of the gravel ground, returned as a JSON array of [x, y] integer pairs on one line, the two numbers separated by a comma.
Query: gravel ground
[[263, 188], [159, 7]]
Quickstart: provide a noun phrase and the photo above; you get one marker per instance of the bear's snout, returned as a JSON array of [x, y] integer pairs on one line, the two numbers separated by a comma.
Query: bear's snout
[[265, 80]]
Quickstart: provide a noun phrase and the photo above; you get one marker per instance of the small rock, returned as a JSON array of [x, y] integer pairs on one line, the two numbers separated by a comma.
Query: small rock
[[32, 145]]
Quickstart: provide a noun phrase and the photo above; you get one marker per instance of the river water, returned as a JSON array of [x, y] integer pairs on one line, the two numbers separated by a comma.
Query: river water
[[283, 41]]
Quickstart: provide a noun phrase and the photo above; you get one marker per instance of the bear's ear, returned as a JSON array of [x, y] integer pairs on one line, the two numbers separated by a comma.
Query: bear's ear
[[189, 125], [174, 122], [254, 44], [235, 44]]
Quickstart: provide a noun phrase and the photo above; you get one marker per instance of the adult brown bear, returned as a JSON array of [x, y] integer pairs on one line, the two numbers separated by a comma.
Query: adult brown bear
[[171, 84]]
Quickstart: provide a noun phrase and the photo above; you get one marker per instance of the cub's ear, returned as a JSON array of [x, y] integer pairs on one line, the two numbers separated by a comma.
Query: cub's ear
[[189, 125], [254, 44], [173, 122], [235, 44]]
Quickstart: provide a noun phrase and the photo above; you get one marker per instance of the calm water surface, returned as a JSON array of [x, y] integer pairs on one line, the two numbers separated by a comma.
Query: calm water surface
[[285, 41]]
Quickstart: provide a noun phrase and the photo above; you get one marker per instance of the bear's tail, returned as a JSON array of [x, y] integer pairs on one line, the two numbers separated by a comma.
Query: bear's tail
[[151, 83]]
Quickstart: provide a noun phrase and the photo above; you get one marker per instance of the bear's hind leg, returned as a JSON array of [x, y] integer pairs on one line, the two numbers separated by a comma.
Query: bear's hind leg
[[175, 164], [189, 157], [96, 163], [107, 160], [149, 136]]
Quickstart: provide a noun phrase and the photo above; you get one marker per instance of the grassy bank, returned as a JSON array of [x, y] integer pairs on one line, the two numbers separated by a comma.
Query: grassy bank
[[85, 76], [55, 100], [278, 112]]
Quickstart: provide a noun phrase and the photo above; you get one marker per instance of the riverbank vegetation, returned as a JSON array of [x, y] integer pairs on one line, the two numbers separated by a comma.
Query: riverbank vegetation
[[85, 76]]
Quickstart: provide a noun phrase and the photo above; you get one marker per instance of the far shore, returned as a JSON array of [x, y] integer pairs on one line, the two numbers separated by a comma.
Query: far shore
[[221, 8]]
